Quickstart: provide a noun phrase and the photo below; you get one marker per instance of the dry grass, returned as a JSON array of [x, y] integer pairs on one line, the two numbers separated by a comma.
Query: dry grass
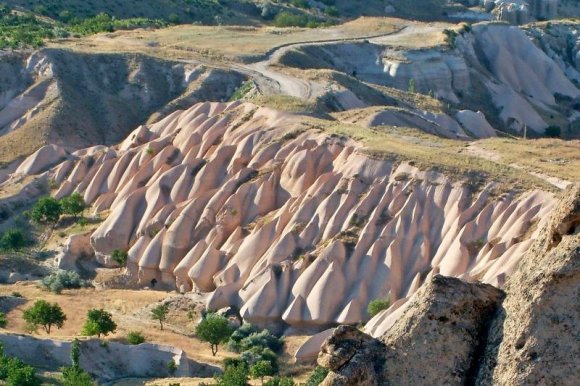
[[552, 157], [429, 152], [222, 42]]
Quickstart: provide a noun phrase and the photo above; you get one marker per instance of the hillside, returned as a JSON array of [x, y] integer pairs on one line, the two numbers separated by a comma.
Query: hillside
[[213, 191]]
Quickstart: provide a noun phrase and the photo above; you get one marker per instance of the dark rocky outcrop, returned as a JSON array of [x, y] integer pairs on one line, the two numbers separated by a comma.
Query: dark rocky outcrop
[[437, 337]]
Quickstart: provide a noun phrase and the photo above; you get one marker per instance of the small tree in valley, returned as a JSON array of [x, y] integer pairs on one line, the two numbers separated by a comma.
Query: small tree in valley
[[46, 211], [261, 369], [99, 322], [214, 329], [159, 313], [73, 205], [44, 314]]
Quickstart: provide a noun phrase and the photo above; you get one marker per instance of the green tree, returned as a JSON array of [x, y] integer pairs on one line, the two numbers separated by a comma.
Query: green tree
[[73, 205], [234, 375], [44, 314], [214, 329], [159, 313], [3, 320], [261, 369], [23, 375], [378, 305], [99, 322], [46, 211]]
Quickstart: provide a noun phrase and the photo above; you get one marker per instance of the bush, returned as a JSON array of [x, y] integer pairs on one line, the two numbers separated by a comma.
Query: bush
[[12, 240], [120, 257], [57, 281], [172, 367], [234, 375], [553, 131], [135, 337], [280, 381], [287, 19], [248, 336], [3, 320], [75, 376], [378, 305], [317, 376]]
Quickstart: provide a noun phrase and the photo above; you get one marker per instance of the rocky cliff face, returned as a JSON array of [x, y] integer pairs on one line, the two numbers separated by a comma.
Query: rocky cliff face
[[458, 333], [284, 222], [436, 340], [533, 339]]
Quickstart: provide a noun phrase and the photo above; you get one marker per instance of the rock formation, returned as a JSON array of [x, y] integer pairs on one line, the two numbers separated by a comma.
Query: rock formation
[[534, 338], [522, 11], [460, 333], [115, 361], [436, 338], [287, 224]]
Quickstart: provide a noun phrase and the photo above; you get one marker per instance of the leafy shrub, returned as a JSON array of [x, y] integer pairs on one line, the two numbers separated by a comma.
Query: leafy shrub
[[135, 337], [120, 257], [3, 320], [280, 381], [317, 376], [234, 375], [57, 281], [378, 305], [12, 240], [171, 367]]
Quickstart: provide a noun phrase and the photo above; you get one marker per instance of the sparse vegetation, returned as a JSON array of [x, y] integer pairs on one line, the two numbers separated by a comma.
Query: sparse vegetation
[[3, 321], [44, 314], [377, 305], [120, 257], [317, 376], [75, 375]]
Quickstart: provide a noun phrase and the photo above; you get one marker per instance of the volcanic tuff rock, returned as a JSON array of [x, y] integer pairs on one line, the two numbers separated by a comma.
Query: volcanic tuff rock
[[493, 68], [109, 363], [534, 338], [436, 338], [458, 333], [284, 222]]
